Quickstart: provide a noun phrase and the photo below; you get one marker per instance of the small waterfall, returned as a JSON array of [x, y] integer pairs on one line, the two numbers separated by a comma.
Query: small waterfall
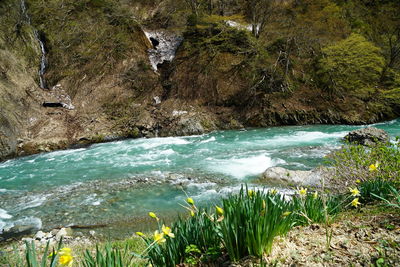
[[164, 48], [39, 38]]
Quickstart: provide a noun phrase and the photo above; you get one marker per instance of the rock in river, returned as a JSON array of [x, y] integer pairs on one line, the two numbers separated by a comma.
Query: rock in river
[[295, 177], [367, 136]]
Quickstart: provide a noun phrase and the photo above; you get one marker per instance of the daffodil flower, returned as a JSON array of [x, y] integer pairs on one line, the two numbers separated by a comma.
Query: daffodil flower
[[192, 213], [355, 202], [358, 181], [219, 210], [315, 194], [287, 213], [153, 215], [273, 191], [159, 237], [302, 192], [167, 231], [66, 260], [250, 193], [140, 234], [354, 192], [372, 168], [190, 201]]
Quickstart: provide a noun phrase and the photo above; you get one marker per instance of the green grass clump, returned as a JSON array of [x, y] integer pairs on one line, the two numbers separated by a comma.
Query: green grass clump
[[310, 208], [108, 256], [251, 222], [198, 231], [372, 190]]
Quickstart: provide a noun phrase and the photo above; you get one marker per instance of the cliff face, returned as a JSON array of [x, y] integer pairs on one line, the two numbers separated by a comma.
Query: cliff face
[[101, 84]]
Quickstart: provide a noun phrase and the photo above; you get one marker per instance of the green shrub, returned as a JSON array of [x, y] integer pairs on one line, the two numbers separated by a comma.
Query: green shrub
[[353, 163], [351, 65]]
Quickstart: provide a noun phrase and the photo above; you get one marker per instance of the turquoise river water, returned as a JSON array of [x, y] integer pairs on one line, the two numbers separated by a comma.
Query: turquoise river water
[[117, 183]]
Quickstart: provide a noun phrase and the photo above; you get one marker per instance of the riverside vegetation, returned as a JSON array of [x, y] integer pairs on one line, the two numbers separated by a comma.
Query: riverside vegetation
[[248, 223]]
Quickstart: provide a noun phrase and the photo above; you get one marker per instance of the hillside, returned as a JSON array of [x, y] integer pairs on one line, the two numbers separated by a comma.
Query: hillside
[[237, 64]]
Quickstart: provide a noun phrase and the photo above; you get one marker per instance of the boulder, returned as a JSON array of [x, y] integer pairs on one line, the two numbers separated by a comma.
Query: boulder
[[367, 136], [22, 227], [284, 176]]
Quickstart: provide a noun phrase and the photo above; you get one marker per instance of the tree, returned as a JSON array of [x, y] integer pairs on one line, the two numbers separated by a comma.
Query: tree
[[258, 12], [351, 65]]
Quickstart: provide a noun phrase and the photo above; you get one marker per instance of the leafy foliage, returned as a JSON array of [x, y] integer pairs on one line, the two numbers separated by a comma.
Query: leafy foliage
[[353, 65], [353, 162]]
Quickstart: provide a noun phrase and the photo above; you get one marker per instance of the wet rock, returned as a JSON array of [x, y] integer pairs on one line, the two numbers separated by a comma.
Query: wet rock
[[22, 227], [367, 136], [295, 177]]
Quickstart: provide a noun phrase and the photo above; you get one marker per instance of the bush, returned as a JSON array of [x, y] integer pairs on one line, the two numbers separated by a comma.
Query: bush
[[357, 162], [352, 65]]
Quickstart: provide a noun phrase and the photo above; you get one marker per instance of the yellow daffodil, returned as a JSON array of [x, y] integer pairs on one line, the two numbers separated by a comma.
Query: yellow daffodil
[[219, 210], [250, 193], [315, 195], [273, 191], [372, 168], [153, 215], [355, 202], [159, 237], [64, 251], [190, 201], [303, 191], [192, 213], [354, 192], [140, 234], [287, 213], [167, 231], [66, 260], [358, 181]]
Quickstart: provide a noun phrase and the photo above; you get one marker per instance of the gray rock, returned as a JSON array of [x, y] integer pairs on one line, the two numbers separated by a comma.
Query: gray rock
[[367, 136], [64, 232], [40, 235], [188, 126], [54, 232], [284, 176], [25, 226]]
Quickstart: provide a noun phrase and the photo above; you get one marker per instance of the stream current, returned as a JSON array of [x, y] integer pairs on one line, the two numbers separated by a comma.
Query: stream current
[[118, 183]]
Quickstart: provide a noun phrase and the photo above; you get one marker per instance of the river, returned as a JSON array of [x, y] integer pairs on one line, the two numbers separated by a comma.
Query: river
[[118, 183]]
